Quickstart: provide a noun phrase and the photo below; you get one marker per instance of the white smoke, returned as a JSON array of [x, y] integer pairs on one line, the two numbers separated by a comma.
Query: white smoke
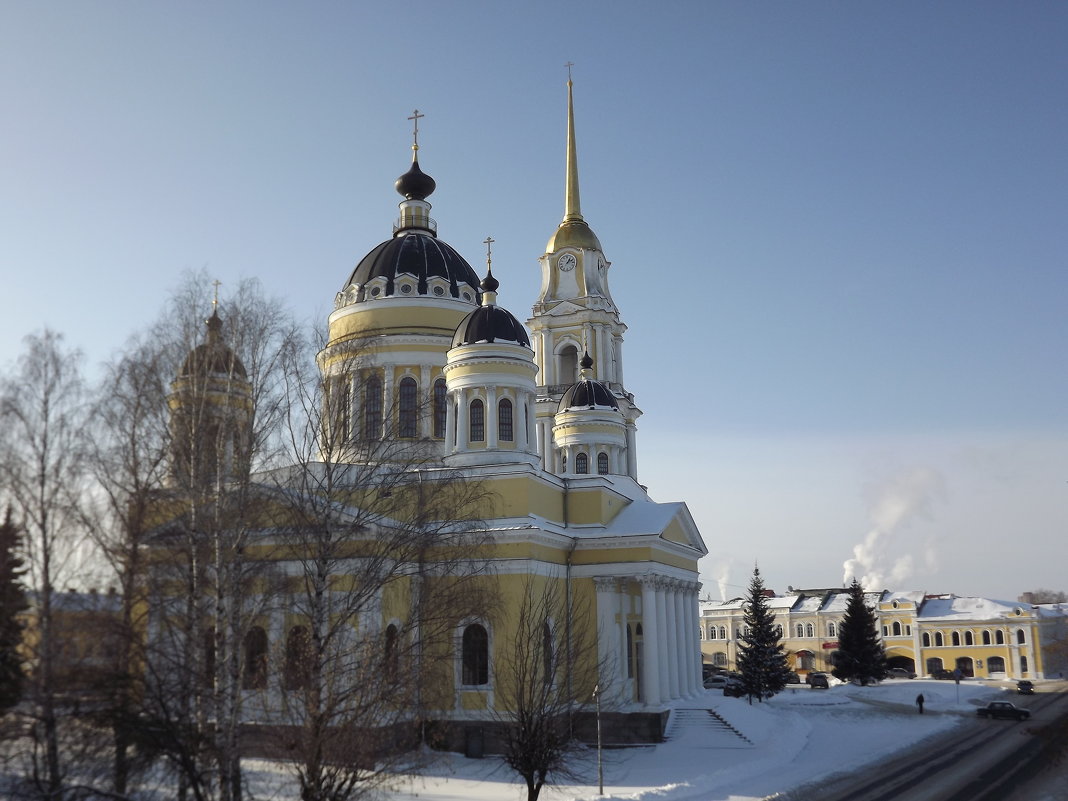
[[720, 573], [877, 562]]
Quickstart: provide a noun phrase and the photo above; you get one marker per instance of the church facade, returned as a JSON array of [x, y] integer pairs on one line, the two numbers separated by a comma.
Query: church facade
[[419, 351]]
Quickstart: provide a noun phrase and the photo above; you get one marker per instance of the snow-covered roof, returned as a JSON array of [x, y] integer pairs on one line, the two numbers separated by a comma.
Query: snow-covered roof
[[955, 608]]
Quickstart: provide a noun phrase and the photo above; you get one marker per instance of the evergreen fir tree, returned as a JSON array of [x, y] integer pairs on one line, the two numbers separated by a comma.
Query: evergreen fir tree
[[860, 656], [761, 659], [12, 602]]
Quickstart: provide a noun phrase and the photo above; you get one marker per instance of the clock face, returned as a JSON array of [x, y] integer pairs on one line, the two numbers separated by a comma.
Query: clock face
[[567, 262]]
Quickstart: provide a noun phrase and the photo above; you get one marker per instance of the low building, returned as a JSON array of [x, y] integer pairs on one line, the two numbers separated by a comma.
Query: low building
[[925, 634]]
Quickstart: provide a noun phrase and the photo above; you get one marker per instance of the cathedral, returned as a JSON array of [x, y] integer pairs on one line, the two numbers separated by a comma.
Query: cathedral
[[420, 351]]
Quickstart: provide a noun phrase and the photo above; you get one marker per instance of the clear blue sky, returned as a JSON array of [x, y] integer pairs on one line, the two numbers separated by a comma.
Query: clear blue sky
[[838, 230]]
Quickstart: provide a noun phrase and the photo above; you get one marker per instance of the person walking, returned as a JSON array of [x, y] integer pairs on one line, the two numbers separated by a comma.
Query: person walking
[[919, 702]]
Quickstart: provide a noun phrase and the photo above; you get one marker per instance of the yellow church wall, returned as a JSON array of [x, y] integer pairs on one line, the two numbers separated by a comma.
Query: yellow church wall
[[371, 320], [675, 533]]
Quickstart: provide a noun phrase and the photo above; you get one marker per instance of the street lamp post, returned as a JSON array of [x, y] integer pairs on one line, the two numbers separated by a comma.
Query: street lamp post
[[600, 763]]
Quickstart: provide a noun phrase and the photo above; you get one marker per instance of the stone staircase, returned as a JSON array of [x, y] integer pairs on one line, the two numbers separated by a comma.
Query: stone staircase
[[703, 728]]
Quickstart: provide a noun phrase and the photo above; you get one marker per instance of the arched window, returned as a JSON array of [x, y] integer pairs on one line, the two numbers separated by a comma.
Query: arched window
[[712, 631], [475, 656], [255, 673], [389, 653], [478, 421], [939, 641], [800, 630], [968, 638], [298, 658], [999, 637], [1020, 637], [831, 629], [504, 420], [926, 640], [806, 660], [986, 638], [778, 630], [602, 463], [567, 362], [547, 656], [407, 418], [955, 637], [372, 407], [1023, 665], [723, 632], [810, 630], [582, 464], [719, 659], [995, 664], [440, 408], [897, 628]]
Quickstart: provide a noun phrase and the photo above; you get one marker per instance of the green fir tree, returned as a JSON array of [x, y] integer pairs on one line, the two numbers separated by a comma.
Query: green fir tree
[[860, 656], [12, 602], [761, 659]]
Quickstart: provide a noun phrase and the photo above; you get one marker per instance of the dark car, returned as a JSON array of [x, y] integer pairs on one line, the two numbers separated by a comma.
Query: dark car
[[900, 673], [792, 678], [1025, 687], [944, 674], [1004, 710], [818, 680], [734, 689]]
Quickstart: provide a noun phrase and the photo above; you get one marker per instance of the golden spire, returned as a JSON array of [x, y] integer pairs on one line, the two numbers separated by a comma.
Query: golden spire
[[572, 206]]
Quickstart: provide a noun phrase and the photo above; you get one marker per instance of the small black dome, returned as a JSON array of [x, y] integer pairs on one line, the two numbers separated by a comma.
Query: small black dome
[[490, 324], [418, 254], [415, 184], [587, 394], [213, 357]]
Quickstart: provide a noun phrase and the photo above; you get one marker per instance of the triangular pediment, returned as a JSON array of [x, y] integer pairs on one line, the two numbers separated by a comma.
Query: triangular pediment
[[564, 308]]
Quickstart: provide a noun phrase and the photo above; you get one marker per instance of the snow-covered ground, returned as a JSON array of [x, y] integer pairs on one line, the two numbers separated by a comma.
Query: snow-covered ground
[[797, 737]]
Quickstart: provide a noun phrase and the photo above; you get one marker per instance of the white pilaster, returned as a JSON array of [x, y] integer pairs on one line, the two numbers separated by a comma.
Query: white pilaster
[[663, 650], [671, 640]]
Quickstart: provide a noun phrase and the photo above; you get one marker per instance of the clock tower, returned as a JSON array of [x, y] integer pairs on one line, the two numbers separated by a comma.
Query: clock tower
[[575, 315]]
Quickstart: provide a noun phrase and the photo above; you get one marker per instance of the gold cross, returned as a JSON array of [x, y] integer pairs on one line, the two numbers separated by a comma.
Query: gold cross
[[488, 242], [215, 301], [416, 116], [569, 65]]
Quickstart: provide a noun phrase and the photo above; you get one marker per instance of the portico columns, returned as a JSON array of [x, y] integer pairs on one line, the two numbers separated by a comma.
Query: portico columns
[[650, 643], [608, 645], [671, 637]]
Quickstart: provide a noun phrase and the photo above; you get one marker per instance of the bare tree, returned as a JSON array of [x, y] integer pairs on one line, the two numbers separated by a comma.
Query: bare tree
[[548, 670], [226, 403], [383, 548], [42, 425]]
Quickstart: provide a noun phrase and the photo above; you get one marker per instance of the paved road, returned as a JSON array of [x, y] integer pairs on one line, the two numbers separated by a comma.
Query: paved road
[[982, 760]]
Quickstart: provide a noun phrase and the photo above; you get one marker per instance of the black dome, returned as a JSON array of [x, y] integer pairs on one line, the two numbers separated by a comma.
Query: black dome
[[490, 324], [587, 394], [418, 254], [415, 184], [213, 357]]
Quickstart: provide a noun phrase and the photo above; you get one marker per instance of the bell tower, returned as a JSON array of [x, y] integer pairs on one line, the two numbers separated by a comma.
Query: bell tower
[[575, 315]]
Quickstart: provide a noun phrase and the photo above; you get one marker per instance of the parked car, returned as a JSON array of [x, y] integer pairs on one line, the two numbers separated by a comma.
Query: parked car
[[1003, 709], [900, 673], [792, 678], [944, 674], [818, 680], [1025, 687], [717, 681], [734, 689]]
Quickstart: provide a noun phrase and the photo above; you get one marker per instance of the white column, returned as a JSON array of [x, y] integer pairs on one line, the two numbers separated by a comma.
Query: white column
[[607, 636], [450, 423], [632, 453], [463, 417], [491, 418], [698, 659], [426, 389], [682, 626], [650, 659], [662, 648], [520, 421], [389, 411], [671, 640], [626, 695]]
